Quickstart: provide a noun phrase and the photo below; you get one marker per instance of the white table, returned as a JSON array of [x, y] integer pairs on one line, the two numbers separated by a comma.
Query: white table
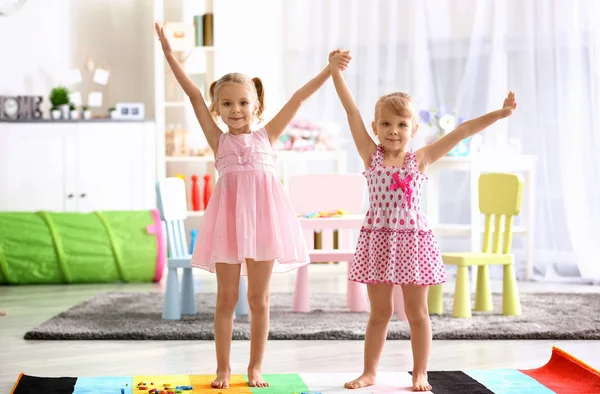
[[475, 165]]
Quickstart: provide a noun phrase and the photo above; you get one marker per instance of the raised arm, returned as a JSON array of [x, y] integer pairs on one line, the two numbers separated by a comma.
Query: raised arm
[[207, 123], [363, 141], [277, 125], [431, 153]]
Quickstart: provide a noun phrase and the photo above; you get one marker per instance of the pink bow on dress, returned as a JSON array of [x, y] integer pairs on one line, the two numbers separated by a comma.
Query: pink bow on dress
[[244, 155], [404, 185]]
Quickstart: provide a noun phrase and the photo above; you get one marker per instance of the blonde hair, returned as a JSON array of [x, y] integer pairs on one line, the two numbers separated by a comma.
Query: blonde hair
[[399, 102], [255, 84]]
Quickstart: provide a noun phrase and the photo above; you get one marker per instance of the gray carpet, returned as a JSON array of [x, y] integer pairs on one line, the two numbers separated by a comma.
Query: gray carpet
[[137, 316]]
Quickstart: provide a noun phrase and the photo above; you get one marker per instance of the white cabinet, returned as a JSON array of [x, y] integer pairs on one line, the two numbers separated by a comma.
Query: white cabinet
[[77, 166], [33, 159], [110, 174]]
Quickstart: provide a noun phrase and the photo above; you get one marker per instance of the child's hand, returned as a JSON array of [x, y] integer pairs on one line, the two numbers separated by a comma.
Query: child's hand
[[339, 59], [164, 41], [509, 105], [333, 53]]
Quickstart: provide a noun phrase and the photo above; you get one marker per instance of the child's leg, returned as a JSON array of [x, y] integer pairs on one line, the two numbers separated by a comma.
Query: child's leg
[[259, 284], [228, 280], [380, 298], [415, 305]]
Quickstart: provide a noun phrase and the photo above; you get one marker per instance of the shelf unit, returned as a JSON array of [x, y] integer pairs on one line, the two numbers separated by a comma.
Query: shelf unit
[[171, 105]]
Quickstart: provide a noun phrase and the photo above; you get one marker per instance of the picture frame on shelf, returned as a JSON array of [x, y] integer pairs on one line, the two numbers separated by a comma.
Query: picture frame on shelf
[[181, 35], [129, 111]]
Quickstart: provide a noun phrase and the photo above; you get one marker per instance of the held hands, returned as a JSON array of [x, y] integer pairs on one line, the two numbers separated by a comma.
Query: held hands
[[164, 41], [509, 105], [339, 59]]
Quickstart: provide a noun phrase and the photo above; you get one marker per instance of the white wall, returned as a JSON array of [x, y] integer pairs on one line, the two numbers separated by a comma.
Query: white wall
[[49, 37], [36, 47], [120, 34], [249, 39]]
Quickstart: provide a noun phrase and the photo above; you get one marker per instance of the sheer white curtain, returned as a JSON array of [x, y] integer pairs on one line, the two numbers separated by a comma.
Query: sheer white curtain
[[466, 55]]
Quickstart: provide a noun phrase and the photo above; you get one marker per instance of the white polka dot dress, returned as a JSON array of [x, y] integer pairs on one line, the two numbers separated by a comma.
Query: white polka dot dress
[[396, 245]]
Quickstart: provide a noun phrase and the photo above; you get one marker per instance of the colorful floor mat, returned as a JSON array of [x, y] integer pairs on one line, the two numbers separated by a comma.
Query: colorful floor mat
[[562, 374]]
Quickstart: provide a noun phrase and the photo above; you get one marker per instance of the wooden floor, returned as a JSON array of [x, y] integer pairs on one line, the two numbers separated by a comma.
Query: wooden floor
[[28, 306]]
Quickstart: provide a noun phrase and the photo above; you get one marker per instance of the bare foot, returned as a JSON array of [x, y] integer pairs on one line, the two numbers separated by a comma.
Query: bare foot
[[255, 378], [363, 380], [222, 380], [420, 382]]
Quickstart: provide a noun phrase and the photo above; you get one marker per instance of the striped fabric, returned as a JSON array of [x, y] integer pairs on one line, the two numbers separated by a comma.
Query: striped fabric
[[562, 374]]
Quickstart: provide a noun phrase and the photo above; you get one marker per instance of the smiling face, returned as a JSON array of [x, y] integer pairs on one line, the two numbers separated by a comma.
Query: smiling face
[[394, 123], [236, 106], [395, 129]]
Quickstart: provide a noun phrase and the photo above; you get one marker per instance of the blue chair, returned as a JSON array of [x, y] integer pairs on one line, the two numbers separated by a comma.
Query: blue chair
[[171, 201]]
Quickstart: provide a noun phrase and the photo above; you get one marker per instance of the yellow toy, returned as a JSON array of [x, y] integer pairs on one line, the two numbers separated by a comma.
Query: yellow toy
[[325, 214]]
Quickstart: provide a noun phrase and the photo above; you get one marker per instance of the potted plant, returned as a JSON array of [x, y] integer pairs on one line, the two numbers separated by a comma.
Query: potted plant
[[112, 112], [55, 113], [74, 113], [443, 122], [59, 97], [86, 113]]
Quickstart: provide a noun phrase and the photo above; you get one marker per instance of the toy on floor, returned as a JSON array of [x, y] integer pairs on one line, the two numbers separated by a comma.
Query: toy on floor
[[561, 371], [196, 200], [164, 388], [325, 214], [207, 190], [193, 236]]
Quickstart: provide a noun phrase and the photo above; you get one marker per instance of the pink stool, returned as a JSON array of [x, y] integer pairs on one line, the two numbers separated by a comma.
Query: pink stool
[[356, 299]]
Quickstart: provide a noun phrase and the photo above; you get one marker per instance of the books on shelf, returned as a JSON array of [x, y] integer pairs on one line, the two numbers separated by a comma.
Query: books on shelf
[[204, 30]]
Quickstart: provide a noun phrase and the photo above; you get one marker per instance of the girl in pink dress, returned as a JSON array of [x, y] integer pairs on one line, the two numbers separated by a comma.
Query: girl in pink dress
[[396, 246], [249, 226]]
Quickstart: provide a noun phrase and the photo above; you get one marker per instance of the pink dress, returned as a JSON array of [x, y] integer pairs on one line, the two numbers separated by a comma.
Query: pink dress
[[395, 244], [249, 214]]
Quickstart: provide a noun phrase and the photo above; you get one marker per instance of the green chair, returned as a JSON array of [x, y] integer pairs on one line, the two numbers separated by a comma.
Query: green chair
[[500, 195]]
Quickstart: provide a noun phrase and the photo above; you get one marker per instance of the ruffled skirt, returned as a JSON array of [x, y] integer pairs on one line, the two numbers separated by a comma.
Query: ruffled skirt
[[397, 247], [250, 216]]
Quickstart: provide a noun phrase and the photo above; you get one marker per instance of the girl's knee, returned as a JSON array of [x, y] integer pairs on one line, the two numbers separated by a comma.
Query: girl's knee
[[382, 314], [227, 300], [417, 314], [258, 302], [415, 304]]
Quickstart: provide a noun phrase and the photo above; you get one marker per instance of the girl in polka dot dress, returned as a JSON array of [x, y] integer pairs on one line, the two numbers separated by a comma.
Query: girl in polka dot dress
[[396, 246]]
